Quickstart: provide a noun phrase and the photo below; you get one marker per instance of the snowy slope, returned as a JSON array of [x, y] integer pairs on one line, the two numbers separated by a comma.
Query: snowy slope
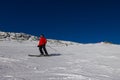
[[68, 61]]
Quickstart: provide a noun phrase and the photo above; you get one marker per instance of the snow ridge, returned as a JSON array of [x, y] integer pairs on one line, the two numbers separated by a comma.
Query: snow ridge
[[16, 36], [20, 37]]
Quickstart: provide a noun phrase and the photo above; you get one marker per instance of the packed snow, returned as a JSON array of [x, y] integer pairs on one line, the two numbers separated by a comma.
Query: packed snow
[[68, 61]]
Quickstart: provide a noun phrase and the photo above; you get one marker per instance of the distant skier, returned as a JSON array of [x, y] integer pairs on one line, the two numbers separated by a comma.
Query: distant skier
[[42, 45]]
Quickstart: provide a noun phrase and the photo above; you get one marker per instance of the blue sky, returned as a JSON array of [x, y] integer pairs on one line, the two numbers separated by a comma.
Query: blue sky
[[84, 21]]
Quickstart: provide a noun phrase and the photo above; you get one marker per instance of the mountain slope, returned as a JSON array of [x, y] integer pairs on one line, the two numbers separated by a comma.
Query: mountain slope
[[21, 37], [16, 36], [69, 61]]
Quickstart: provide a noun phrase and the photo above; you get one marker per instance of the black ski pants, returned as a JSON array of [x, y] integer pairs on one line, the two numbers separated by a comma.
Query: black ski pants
[[43, 50]]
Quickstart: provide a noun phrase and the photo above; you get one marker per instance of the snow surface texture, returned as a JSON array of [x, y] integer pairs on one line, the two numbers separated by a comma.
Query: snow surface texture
[[68, 61]]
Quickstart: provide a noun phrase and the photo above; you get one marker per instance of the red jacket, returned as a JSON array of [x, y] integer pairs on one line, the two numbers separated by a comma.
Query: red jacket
[[42, 41]]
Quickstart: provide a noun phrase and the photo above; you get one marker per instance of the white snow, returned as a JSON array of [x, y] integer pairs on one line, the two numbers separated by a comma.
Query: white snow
[[69, 61]]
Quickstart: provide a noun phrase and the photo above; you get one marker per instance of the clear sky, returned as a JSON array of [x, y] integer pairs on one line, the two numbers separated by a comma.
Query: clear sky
[[84, 21]]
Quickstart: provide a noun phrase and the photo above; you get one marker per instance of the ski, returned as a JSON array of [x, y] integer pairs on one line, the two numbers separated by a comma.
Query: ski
[[37, 55]]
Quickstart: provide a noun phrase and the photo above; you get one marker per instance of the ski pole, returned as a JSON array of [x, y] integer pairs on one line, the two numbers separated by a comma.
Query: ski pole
[[51, 48]]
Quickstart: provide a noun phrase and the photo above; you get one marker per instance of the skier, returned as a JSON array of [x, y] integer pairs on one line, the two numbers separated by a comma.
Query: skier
[[42, 45]]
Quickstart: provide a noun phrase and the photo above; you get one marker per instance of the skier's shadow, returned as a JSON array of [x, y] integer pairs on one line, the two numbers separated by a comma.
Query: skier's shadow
[[55, 54]]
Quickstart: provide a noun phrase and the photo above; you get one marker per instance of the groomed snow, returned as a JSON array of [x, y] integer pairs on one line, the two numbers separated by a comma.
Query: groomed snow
[[71, 61]]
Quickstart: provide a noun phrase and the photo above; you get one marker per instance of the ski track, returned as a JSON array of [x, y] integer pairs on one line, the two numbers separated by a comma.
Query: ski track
[[73, 62]]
